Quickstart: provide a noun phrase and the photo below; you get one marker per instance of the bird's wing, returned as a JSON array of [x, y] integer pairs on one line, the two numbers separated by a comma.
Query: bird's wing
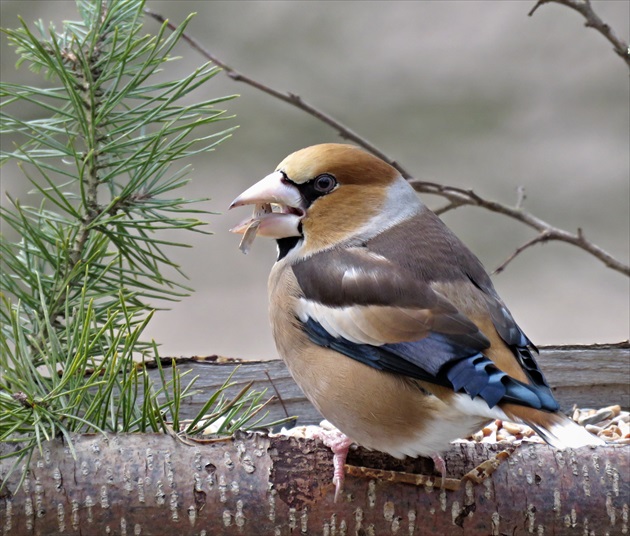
[[372, 310]]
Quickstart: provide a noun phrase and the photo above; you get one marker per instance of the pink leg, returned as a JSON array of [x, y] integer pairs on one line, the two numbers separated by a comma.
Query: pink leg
[[340, 445], [440, 465]]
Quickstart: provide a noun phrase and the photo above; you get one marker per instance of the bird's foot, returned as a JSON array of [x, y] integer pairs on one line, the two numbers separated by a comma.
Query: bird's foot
[[339, 443], [440, 466]]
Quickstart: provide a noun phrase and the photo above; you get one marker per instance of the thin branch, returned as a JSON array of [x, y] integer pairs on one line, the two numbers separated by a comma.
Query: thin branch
[[468, 197], [542, 237], [451, 205], [520, 197], [456, 196], [592, 21], [288, 97]]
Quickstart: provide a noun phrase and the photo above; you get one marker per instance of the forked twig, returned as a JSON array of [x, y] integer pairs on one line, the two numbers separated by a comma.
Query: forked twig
[[456, 196], [592, 21]]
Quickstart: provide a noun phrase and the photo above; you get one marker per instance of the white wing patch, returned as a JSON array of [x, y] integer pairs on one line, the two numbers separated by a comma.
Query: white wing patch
[[337, 321]]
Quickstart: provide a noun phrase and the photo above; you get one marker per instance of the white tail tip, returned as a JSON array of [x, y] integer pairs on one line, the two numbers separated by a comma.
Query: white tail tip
[[561, 432]]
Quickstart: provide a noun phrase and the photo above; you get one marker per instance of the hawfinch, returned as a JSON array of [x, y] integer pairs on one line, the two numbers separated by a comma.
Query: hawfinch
[[385, 319]]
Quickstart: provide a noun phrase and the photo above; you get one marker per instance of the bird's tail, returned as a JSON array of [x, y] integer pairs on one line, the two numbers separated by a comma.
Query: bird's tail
[[555, 428]]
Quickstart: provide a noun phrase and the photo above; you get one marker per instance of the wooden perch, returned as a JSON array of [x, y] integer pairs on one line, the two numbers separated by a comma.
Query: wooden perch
[[256, 485], [589, 376], [252, 484]]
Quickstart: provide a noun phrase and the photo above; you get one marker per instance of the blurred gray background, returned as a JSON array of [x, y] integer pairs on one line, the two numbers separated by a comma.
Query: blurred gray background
[[467, 93]]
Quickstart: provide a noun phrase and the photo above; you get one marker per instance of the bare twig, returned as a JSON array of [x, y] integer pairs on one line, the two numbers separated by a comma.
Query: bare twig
[[521, 196], [288, 97], [592, 21], [542, 237], [468, 197], [456, 196], [451, 205]]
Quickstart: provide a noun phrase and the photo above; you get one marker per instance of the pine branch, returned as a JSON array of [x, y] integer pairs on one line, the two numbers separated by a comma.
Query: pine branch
[[123, 134], [75, 291]]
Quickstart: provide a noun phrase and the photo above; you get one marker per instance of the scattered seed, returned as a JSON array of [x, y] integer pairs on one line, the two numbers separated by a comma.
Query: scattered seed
[[610, 423], [595, 417], [512, 428]]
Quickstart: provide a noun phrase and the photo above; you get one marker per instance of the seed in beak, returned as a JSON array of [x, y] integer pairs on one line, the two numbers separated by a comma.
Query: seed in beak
[[250, 233]]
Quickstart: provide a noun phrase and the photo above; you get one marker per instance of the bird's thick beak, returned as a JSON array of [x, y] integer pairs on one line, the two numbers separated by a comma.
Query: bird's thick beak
[[279, 207]]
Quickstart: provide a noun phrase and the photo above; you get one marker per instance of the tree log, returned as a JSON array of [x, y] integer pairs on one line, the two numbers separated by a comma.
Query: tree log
[[253, 484]]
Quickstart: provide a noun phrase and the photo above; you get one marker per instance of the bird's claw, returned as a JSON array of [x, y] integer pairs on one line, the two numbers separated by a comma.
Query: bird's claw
[[340, 445]]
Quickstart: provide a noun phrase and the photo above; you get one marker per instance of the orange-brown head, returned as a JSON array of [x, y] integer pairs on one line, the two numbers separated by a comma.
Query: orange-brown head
[[329, 194]]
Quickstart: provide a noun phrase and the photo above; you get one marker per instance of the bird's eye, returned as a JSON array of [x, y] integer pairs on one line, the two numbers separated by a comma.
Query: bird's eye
[[325, 183]]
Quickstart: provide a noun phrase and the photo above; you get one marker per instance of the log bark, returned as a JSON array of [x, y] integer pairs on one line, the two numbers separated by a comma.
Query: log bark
[[258, 485], [253, 484]]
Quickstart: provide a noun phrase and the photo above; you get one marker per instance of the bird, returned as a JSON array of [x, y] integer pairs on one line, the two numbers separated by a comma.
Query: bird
[[389, 324]]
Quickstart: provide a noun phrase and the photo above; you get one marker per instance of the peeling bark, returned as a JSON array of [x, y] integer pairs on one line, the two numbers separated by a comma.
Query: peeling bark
[[253, 484]]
